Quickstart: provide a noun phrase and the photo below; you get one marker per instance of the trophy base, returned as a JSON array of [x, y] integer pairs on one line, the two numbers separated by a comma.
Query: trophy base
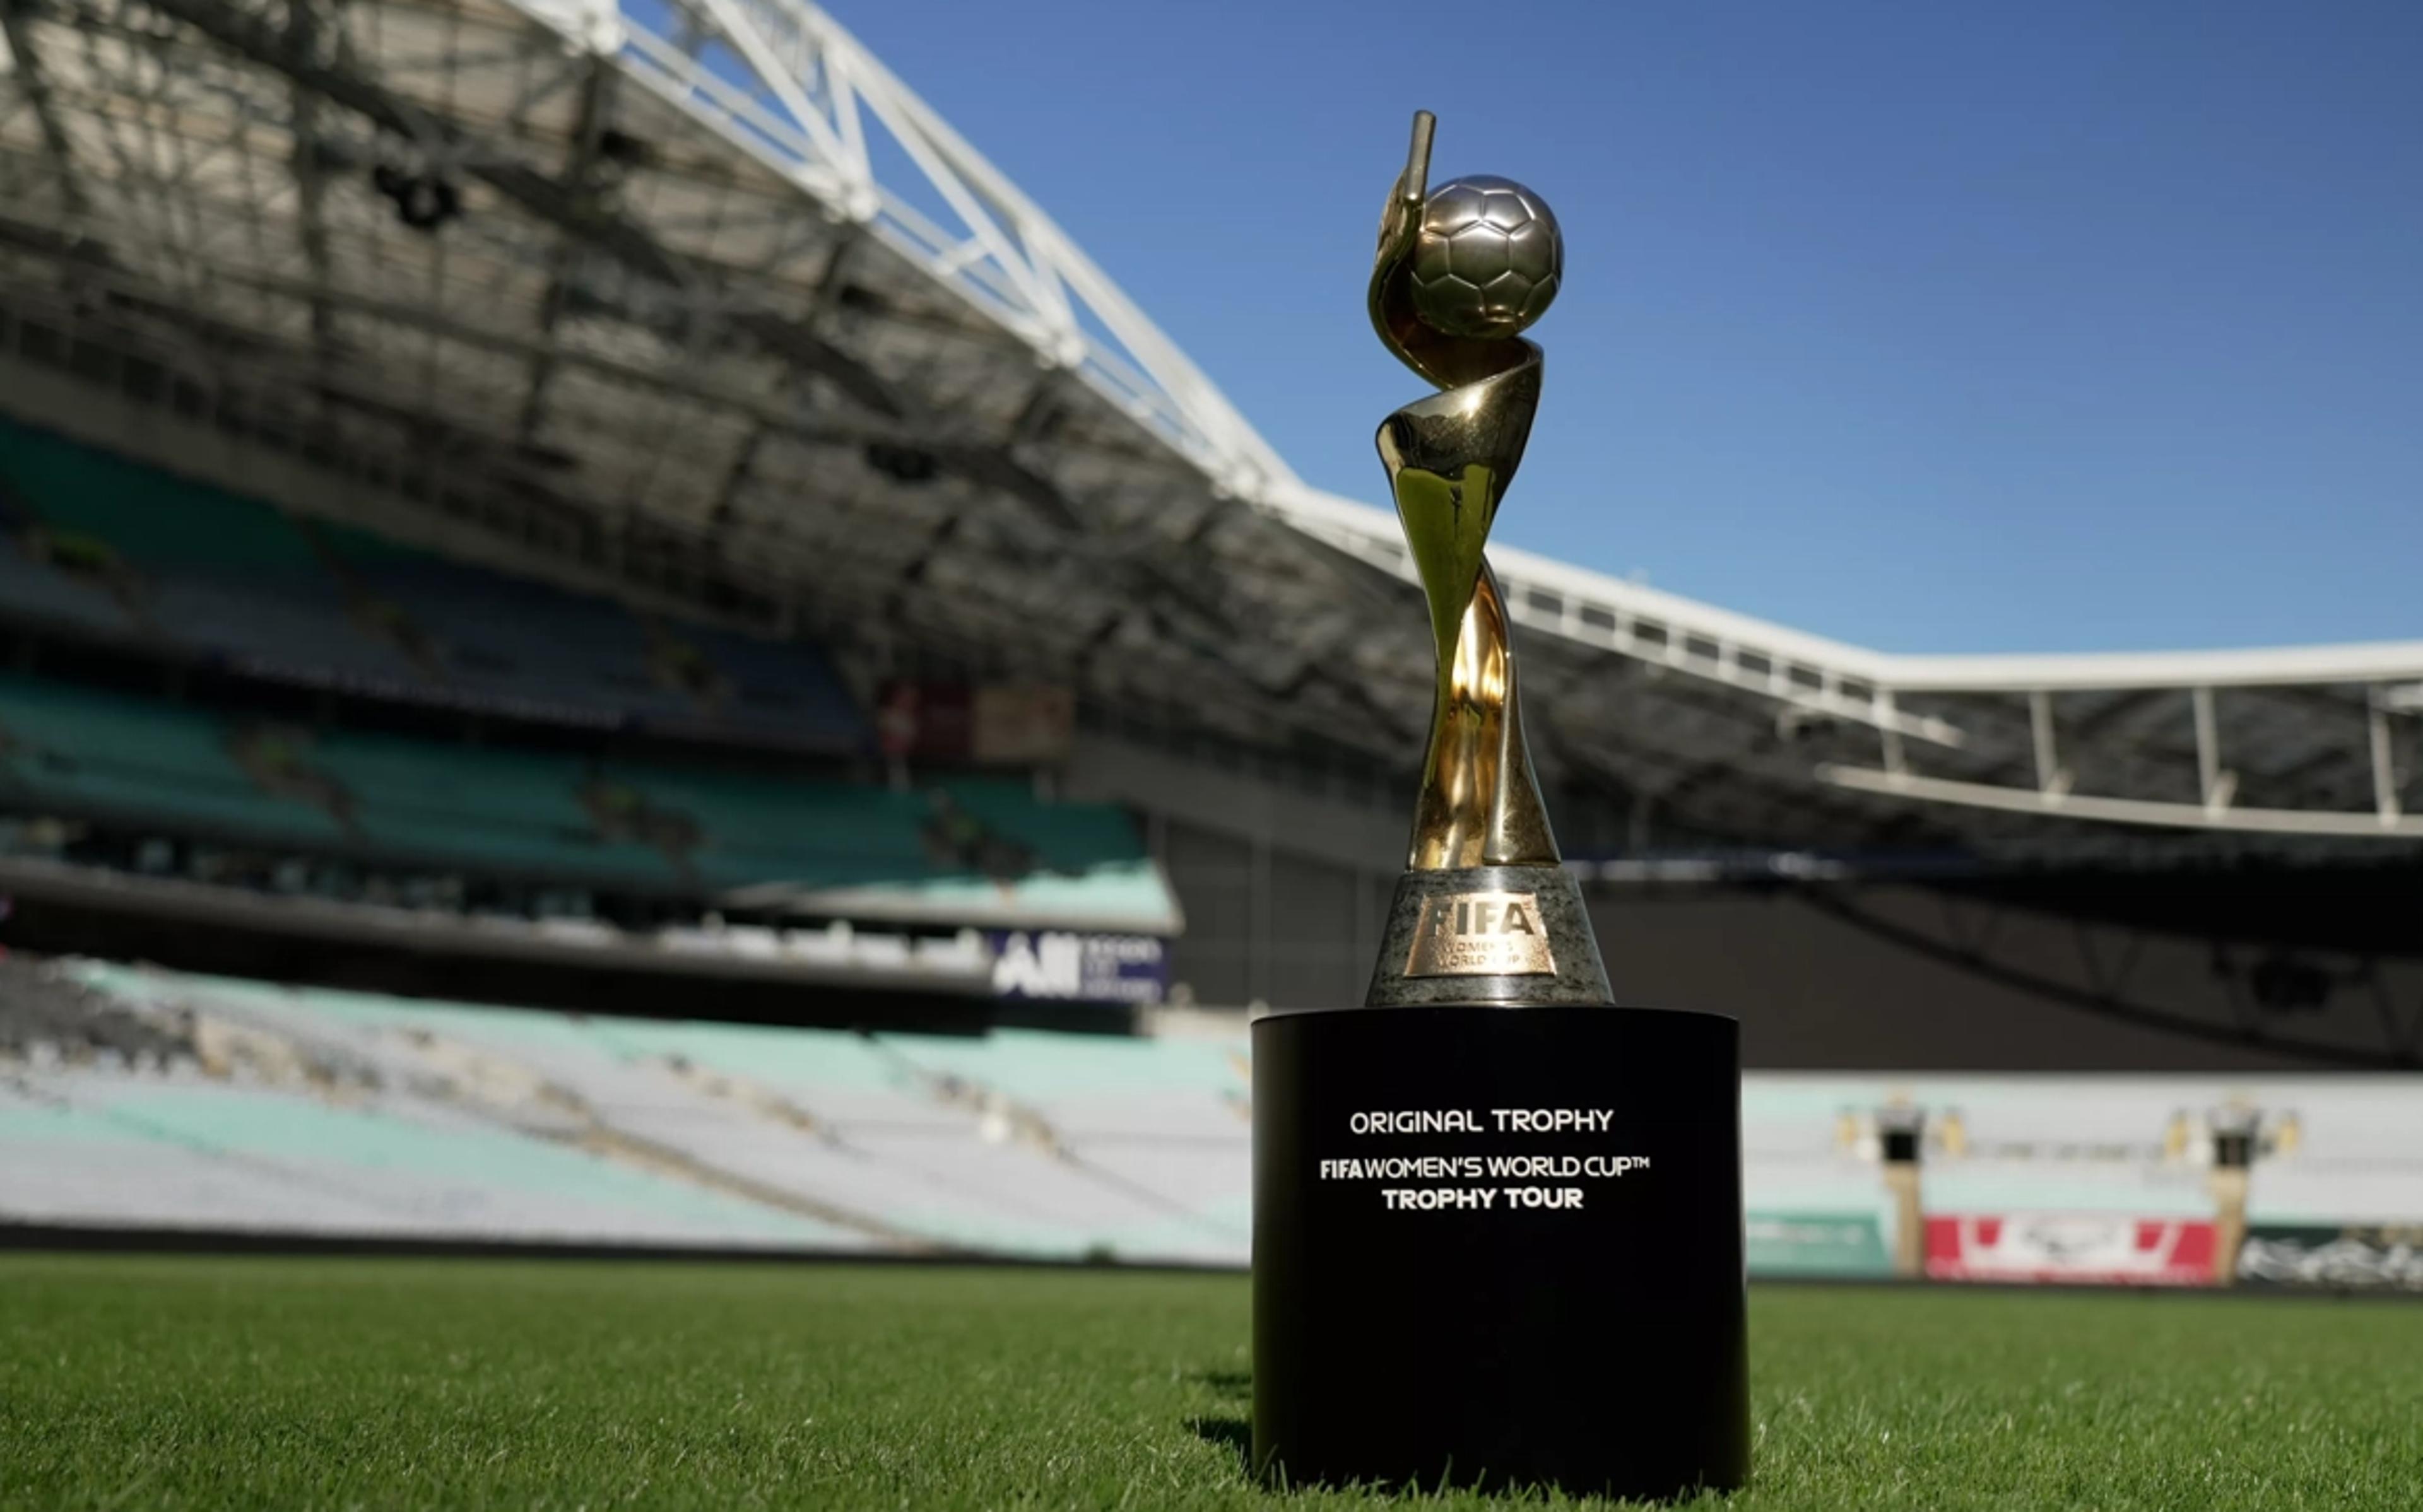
[[1500, 1248]]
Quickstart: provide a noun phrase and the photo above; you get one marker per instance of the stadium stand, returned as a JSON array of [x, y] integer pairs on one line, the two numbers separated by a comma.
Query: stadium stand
[[38, 588], [104, 546], [165, 1100], [947, 853], [189, 563], [757, 829], [108, 756], [333, 1113], [517, 642]]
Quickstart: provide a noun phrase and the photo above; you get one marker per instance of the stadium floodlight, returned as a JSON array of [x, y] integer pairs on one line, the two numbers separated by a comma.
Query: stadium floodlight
[[1578, 1197]]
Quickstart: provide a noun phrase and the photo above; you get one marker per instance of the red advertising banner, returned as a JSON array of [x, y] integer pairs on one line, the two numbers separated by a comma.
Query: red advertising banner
[[2084, 1249], [996, 724], [928, 720]]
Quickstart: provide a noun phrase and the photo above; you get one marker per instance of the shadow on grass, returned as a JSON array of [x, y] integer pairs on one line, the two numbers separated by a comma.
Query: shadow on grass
[[1231, 1433]]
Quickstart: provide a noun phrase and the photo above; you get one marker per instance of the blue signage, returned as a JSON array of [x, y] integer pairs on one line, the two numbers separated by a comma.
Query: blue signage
[[1065, 967]]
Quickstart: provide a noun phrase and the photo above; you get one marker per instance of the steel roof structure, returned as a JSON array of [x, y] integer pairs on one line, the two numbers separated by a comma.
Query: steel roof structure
[[697, 295]]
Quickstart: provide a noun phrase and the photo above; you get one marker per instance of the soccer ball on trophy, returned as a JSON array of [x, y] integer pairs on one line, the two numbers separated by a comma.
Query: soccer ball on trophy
[[1487, 259]]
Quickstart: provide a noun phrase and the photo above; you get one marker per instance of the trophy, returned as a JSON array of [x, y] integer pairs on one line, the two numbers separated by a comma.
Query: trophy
[[1486, 912], [1497, 1221]]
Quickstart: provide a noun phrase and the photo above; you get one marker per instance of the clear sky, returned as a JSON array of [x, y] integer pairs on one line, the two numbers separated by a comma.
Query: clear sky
[[2067, 325]]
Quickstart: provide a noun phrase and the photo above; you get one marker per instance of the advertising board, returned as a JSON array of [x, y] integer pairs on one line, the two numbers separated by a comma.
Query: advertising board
[[1817, 1244], [2351, 1256], [2087, 1248], [1062, 966]]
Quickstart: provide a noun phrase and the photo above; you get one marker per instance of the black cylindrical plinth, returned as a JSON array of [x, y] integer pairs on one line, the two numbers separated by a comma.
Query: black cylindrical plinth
[[1499, 1246]]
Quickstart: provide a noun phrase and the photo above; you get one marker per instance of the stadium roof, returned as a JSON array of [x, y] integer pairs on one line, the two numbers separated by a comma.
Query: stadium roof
[[696, 294]]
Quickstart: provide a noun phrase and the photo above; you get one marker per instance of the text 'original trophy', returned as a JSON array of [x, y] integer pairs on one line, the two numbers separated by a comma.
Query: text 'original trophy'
[[1497, 1223]]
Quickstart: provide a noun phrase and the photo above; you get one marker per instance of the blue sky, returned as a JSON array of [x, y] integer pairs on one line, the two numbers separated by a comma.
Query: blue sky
[[1933, 328]]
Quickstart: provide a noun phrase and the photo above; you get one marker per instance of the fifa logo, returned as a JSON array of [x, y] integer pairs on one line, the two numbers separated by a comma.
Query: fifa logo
[[1481, 934]]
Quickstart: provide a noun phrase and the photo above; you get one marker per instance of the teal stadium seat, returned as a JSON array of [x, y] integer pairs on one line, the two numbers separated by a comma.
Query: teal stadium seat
[[513, 637], [233, 578], [156, 519], [1089, 862], [222, 574], [408, 776], [511, 811], [520, 814], [1067, 837], [35, 591], [813, 833], [109, 756]]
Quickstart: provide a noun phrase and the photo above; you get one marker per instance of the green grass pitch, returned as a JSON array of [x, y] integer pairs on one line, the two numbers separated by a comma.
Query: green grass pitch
[[241, 1383]]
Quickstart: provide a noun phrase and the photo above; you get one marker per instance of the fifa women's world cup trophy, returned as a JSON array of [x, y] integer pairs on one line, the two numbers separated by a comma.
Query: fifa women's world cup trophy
[[1498, 1223], [1486, 912]]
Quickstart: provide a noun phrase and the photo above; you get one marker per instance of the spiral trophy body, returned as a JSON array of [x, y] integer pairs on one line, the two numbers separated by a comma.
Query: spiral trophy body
[[1498, 1223], [1485, 913]]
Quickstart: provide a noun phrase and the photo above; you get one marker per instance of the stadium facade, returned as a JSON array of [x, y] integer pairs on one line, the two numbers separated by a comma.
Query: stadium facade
[[689, 336]]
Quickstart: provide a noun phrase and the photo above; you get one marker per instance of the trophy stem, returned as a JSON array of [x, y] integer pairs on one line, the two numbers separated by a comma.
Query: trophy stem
[[1449, 459], [1485, 913], [1479, 803]]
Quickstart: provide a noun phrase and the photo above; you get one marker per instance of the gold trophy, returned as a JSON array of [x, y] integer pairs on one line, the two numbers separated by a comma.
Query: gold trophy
[[1485, 914], [1444, 1292]]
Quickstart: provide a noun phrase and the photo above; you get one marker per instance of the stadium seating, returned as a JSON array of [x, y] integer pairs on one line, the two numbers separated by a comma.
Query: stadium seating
[[196, 1154], [35, 591], [512, 641], [525, 815], [162, 1098], [770, 691], [894, 850], [513, 812], [222, 574], [107, 756], [356, 1114], [1063, 839], [762, 829], [178, 564]]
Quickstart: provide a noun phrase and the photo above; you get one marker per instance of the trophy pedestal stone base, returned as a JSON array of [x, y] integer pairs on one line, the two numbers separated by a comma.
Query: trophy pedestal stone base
[[1500, 1246]]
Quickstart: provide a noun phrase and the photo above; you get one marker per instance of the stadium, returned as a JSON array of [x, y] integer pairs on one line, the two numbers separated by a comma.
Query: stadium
[[617, 649]]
